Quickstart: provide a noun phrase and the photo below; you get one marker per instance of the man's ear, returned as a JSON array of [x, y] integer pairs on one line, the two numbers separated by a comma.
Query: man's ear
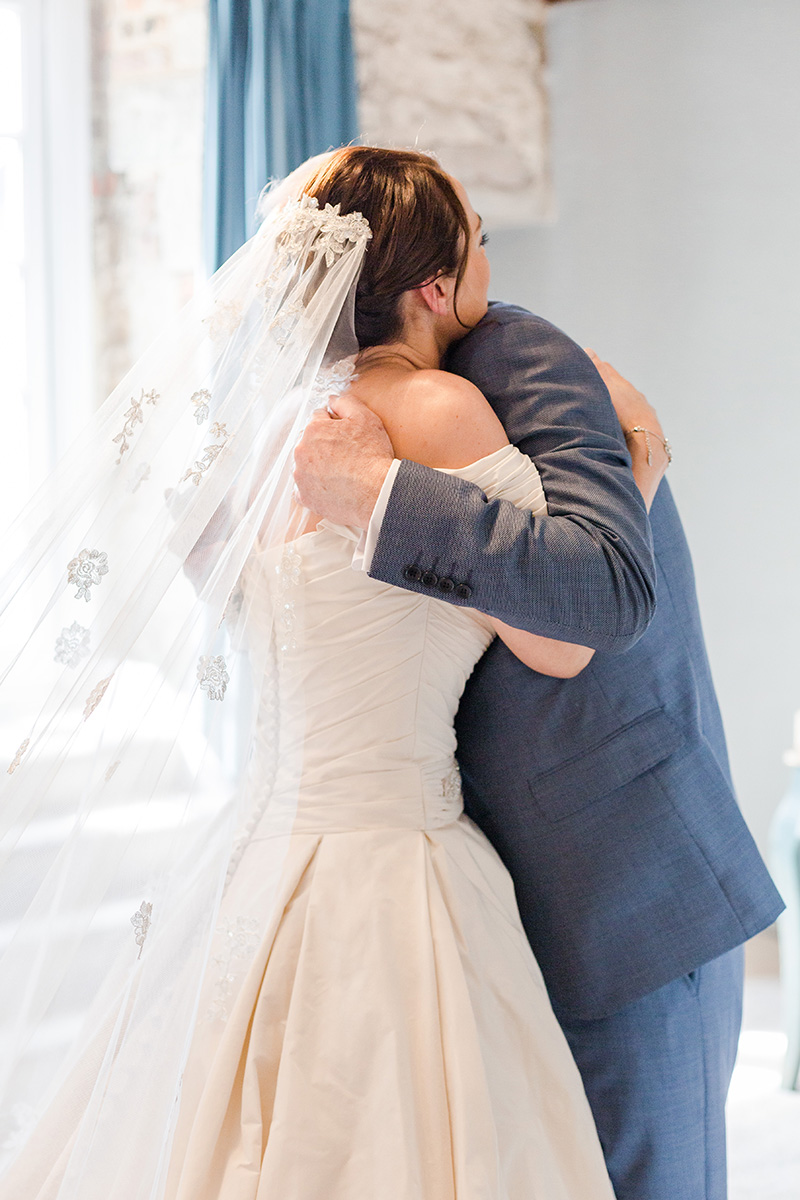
[[438, 294]]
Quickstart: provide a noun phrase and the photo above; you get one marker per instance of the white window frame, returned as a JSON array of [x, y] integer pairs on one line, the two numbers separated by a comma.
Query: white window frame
[[56, 41]]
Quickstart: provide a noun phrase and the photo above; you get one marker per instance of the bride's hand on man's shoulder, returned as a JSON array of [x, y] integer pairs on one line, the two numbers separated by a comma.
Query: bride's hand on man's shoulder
[[649, 449], [631, 405]]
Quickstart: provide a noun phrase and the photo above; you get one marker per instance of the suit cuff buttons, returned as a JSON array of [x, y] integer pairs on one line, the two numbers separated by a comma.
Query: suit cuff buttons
[[429, 579]]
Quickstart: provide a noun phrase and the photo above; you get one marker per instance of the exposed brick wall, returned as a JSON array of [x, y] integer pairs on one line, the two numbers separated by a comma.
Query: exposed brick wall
[[148, 83]]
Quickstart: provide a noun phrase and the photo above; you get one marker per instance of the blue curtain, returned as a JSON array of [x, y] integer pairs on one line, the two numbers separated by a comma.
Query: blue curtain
[[281, 87]]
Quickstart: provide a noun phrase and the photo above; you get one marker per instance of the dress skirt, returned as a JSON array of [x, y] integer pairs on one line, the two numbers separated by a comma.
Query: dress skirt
[[387, 1037]]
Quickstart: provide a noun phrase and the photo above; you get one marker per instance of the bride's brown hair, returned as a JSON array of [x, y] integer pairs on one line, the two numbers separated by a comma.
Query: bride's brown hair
[[419, 228]]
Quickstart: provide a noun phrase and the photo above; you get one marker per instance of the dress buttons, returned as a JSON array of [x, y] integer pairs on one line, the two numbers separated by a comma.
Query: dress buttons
[[463, 591], [412, 574], [430, 579], [446, 585]]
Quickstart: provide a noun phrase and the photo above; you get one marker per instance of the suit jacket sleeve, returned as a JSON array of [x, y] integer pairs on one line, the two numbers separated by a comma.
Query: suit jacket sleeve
[[585, 572]]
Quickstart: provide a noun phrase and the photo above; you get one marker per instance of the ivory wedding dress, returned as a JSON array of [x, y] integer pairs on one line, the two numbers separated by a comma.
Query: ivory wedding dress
[[386, 1035]]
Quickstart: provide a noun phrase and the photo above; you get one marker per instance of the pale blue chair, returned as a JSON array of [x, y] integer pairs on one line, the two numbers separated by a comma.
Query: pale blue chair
[[785, 839]]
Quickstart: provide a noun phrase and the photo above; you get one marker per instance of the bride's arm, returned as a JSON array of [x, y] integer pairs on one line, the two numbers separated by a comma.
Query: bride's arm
[[563, 660], [644, 437], [446, 422]]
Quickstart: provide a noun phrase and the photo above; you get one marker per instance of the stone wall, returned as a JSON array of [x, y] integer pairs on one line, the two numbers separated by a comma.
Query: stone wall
[[466, 80], [148, 83], [463, 78]]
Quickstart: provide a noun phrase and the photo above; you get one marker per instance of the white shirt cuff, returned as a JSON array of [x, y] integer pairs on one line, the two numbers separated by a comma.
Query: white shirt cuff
[[362, 555]]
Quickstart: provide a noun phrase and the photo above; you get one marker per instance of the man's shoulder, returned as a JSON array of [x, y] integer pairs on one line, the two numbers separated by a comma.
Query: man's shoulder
[[521, 321], [512, 335], [521, 361], [505, 313]]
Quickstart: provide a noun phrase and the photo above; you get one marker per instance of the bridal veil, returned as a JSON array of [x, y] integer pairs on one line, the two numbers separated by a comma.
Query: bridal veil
[[121, 665]]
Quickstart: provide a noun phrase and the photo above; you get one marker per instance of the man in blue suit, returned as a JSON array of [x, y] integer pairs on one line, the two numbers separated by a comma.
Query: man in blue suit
[[607, 795]]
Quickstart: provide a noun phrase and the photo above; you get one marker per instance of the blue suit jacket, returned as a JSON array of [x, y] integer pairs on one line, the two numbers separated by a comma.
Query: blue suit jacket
[[608, 795]]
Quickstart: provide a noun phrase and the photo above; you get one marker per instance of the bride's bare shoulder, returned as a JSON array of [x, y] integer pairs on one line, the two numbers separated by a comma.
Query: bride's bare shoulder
[[441, 420]]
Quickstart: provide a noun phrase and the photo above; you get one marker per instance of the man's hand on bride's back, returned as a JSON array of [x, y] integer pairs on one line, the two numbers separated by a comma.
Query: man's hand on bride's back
[[340, 463]]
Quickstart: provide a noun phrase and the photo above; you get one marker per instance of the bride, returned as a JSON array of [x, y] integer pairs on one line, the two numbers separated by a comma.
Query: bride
[[330, 992]]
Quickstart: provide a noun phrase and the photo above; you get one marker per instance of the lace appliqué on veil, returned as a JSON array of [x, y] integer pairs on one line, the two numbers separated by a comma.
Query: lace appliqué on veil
[[201, 401], [133, 417], [210, 454], [332, 381], [141, 921], [95, 696], [72, 645], [284, 323], [17, 759], [212, 671], [224, 320], [240, 939], [86, 571]]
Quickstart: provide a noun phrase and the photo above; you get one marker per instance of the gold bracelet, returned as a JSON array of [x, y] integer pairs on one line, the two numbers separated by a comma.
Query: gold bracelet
[[648, 433]]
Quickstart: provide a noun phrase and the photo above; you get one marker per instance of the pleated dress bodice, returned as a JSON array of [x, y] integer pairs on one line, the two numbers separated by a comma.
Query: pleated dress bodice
[[358, 699]]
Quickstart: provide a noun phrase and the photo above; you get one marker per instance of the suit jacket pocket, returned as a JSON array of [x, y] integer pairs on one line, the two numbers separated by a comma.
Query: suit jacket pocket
[[579, 782]]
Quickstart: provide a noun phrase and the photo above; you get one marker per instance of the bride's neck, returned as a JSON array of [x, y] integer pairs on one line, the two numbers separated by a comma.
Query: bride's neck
[[420, 347]]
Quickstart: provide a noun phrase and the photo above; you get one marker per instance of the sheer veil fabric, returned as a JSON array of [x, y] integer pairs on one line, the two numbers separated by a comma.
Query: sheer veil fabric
[[122, 654]]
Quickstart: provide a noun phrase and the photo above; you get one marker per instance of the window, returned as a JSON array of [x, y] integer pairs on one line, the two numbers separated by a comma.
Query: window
[[14, 383], [45, 243]]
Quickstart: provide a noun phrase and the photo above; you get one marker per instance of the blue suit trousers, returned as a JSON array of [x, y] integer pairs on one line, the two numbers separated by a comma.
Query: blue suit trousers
[[656, 1074]]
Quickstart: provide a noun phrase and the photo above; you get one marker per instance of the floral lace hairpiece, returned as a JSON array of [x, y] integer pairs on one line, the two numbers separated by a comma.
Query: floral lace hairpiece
[[336, 231]]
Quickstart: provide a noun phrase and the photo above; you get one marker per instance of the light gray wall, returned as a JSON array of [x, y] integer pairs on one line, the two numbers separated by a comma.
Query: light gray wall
[[676, 255]]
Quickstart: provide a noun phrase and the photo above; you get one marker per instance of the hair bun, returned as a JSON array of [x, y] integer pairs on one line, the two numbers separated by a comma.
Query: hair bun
[[419, 228]]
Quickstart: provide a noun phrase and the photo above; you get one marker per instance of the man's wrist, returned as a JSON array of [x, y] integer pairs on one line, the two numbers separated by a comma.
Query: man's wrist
[[372, 485], [362, 559]]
